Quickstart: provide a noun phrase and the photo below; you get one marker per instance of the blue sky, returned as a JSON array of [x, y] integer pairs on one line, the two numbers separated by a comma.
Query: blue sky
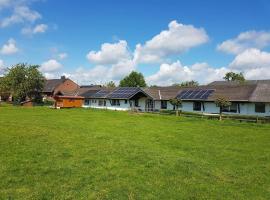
[[205, 39]]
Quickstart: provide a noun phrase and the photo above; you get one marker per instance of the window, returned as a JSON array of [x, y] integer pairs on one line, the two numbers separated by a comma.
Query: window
[[115, 102], [86, 102], [94, 101], [136, 102], [126, 101], [232, 108], [259, 107], [163, 105], [197, 106], [100, 102]]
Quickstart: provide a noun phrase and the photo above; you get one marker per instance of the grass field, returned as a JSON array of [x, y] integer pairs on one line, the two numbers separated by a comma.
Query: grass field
[[96, 154]]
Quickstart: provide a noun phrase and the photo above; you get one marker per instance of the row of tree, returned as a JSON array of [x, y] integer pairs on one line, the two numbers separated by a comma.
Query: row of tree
[[136, 79]]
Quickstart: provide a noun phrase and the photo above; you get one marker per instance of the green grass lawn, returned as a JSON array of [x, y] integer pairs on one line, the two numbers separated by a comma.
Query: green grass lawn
[[97, 154]]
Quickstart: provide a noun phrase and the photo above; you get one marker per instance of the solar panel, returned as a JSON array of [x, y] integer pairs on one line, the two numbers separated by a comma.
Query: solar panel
[[195, 94], [100, 94], [124, 93]]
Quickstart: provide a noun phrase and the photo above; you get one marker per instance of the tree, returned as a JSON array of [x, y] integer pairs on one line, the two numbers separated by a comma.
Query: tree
[[222, 102], [110, 84], [231, 76], [134, 79], [177, 103], [191, 83], [24, 81]]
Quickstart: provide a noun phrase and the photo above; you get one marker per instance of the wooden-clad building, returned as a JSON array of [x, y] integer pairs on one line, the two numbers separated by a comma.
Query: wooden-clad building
[[68, 101]]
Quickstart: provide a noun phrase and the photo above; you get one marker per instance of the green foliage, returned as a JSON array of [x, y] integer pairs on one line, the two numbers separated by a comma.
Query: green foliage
[[23, 81], [177, 103], [222, 102], [110, 84], [187, 84], [58, 154], [231, 76], [134, 79]]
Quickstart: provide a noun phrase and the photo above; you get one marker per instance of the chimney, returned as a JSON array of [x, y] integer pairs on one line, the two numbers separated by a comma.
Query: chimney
[[63, 77]]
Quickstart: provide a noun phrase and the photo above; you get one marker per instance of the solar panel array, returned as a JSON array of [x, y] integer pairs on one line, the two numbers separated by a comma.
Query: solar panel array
[[124, 93], [101, 94], [195, 94]]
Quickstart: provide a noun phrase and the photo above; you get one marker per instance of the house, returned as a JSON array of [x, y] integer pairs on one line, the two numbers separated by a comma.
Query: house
[[249, 98], [52, 86], [246, 99], [122, 98]]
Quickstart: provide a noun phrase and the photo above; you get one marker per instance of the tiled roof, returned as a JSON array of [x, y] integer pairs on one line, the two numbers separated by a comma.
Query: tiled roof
[[51, 84], [162, 93]]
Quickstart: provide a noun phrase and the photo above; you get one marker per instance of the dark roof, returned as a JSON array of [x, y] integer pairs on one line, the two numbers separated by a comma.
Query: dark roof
[[103, 93], [125, 93], [85, 92], [51, 84]]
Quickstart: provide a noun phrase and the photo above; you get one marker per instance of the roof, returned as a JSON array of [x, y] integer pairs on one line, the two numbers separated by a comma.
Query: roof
[[163, 93], [126, 93], [247, 82], [82, 91], [261, 93], [51, 84], [68, 97], [232, 92], [258, 91], [103, 93]]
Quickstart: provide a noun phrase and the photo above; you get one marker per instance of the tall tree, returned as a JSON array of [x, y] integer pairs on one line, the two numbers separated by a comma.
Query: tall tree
[[232, 76], [134, 79], [177, 103], [222, 102], [110, 84], [24, 81]]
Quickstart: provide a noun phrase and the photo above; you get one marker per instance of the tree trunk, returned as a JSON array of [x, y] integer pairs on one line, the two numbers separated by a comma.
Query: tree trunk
[[220, 113]]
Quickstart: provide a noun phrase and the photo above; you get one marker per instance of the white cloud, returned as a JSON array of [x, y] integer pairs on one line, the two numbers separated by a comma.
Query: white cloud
[[40, 28], [101, 74], [2, 67], [50, 66], [244, 41], [110, 53], [21, 14], [4, 3], [177, 39], [62, 56], [254, 63], [169, 74], [9, 48]]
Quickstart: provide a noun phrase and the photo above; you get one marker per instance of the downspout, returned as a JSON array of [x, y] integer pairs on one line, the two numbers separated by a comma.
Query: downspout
[[159, 94]]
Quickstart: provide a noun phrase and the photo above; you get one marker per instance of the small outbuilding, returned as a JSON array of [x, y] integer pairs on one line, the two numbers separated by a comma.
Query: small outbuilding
[[68, 101]]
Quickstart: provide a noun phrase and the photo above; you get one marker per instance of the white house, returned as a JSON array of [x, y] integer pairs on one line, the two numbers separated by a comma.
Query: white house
[[249, 98]]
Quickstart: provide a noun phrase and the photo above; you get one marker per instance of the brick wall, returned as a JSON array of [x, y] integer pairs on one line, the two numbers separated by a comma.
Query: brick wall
[[68, 85]]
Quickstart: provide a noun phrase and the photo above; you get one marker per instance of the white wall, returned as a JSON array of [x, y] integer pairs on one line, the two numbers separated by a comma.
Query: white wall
[[210, 107]]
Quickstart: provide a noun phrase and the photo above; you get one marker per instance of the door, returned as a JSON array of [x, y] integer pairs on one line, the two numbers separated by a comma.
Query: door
[[149, 105]]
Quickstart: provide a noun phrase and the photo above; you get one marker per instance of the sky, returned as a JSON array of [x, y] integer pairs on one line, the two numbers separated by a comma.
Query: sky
[[96, 41]]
